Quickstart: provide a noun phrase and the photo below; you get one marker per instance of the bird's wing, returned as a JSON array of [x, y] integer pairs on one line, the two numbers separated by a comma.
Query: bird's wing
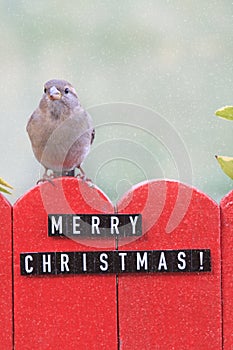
[[30, 120], [85, 121], [35, 121]]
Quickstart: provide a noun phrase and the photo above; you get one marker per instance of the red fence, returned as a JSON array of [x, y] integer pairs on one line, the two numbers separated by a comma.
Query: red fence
[[6, 325], [172, 310], [164, 289], [227, 269], [60, 312]]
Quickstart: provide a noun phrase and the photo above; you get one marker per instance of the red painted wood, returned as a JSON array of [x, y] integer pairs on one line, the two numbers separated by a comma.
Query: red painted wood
[[227, 269], [68, 312], [171, 311], [6, 327]]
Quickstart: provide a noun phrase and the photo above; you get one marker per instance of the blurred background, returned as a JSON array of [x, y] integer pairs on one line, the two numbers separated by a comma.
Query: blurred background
[[145, 70]]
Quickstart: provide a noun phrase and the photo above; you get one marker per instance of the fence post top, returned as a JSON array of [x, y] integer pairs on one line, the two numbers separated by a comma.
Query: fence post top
[[4, 201], [65, 187], [168, 185], [227, 200]]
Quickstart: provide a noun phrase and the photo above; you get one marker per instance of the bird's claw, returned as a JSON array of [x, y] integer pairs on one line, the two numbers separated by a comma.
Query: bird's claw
[[47, 177], [85, 179]]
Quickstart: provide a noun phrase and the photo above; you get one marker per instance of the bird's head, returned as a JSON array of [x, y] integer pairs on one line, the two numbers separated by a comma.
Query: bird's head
[[59, 98]]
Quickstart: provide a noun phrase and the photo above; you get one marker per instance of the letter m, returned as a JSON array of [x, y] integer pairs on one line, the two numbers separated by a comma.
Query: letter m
[[56, 224], [142, 261]]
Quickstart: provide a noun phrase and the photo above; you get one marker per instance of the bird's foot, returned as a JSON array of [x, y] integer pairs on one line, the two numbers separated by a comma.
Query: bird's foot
[[85, 179], [47, 177], [44, 179]]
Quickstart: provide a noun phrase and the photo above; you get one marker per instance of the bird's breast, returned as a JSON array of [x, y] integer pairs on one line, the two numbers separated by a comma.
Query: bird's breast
[[62, 145]]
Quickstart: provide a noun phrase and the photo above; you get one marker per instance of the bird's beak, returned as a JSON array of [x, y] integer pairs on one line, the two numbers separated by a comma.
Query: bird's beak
[[54, 93]]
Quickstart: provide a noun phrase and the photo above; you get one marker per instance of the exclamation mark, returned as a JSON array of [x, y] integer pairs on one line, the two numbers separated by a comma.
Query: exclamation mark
[[201, 261]]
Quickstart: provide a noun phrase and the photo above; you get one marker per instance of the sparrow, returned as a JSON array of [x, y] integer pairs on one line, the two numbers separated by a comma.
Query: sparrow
[[60, 130]]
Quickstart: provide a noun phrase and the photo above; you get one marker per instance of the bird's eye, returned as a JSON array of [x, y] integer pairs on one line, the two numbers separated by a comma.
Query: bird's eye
[[66, 90], [45, 90]]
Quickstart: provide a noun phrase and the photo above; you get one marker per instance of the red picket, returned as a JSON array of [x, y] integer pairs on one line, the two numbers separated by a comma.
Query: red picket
[[6, 327], [171, 310], [72, 311], [226, 206]]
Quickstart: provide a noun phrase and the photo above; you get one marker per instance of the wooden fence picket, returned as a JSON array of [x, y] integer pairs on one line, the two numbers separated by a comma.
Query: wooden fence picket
[[171, 310], [227, 269], [6, 320], [61, 312]]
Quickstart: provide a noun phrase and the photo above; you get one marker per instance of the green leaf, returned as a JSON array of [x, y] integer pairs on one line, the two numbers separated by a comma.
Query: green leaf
[[4, 190], [4, 183], [225, 112], [226, 164]]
